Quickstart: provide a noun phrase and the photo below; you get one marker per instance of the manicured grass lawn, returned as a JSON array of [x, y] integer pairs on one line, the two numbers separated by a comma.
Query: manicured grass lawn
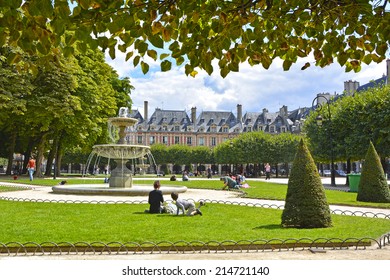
[[258, 189], [60, 222]]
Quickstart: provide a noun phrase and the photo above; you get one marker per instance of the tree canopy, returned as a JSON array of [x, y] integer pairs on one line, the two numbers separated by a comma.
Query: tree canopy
[[196, 33], [355, 121]]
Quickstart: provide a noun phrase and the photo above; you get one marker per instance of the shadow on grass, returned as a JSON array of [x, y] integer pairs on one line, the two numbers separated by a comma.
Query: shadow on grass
[[158, 215], [272, 226]]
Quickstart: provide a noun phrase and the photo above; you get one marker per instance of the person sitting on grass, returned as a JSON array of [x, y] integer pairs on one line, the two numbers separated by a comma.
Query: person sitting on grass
[[187, 207], [156, 199], [229, 183]]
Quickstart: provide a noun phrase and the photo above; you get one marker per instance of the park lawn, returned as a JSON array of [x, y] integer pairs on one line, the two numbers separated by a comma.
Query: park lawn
[[257, 189], [62, 222]]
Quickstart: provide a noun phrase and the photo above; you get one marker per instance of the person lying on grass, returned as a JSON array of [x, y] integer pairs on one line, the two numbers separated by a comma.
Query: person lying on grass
[[229, 183], [187, 207]]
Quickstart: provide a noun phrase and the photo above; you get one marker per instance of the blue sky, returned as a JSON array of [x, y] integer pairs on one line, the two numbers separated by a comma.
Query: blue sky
[[253, 87]]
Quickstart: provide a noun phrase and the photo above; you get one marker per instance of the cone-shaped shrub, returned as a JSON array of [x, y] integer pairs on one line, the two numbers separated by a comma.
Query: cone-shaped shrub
[[373, 184], [306, 205]]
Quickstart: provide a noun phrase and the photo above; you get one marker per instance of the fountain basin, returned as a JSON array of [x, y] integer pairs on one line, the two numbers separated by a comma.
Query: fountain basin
[[104, 189], [121, 151]]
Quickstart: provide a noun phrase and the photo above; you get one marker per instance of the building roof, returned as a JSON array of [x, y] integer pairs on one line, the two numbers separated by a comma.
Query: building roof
[[372, 84]]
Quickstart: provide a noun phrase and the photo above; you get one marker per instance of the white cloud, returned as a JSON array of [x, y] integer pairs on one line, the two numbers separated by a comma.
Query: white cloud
[[253, 87]]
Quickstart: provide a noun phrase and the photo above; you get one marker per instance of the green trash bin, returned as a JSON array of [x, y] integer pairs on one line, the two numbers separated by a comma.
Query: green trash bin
[[354, 180]]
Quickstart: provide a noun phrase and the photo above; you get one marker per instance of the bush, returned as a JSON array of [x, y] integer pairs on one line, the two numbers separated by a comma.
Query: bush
[[373, 184], [306, 205]]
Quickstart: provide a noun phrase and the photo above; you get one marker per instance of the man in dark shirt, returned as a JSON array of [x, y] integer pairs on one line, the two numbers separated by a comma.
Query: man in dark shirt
[[156, 198]]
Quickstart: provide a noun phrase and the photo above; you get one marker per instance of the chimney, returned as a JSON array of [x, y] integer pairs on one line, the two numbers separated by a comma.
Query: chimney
[[239, 112], [193, 115], [146, 110], [283, 111], [350, 87]]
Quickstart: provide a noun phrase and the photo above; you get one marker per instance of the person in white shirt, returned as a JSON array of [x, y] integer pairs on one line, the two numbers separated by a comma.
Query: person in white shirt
[[188, 207]]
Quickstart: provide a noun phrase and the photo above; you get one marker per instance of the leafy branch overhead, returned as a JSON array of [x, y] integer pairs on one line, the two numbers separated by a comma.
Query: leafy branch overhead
[[195, 33]]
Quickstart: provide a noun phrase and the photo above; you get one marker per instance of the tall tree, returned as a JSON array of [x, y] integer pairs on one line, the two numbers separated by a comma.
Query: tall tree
[[197, 32]]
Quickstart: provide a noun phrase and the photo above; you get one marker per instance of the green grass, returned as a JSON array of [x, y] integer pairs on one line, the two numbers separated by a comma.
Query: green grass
[[44, 222], [8, 189], [258, 189]]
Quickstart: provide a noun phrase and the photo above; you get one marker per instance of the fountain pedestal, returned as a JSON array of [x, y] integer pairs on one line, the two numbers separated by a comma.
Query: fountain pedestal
[[121, 176]]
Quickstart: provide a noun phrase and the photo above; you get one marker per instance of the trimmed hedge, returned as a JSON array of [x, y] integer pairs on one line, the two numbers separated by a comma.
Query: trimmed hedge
[[306, 205], [373, 184]]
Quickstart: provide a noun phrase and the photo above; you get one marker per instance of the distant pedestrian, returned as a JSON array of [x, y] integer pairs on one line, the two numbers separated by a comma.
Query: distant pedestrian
[[209, 173], [31, 168], [267, 171]]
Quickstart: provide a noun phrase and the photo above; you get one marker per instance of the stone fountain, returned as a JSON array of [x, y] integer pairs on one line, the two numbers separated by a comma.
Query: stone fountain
[[120, 181]]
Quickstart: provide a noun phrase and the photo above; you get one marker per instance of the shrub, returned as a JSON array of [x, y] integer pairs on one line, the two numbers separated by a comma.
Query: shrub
[[306, 205], [373, 184]]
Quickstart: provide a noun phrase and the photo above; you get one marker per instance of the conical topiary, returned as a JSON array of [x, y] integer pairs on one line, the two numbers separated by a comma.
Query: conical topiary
[[373, 184], [306, 205]]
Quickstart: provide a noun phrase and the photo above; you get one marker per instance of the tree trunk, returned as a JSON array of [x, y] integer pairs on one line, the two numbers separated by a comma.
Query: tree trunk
[[11, 151]]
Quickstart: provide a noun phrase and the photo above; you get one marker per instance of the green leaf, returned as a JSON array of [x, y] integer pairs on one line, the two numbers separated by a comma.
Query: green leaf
[[381, 49], [166, 65], [152, 54], [179, 61], [163, 56], [136, 60], [286, 65], [156, 41], [129, 55], [342, 58], [224, 72], [307, 64], [142, 47], [144, 67], [111, 52]]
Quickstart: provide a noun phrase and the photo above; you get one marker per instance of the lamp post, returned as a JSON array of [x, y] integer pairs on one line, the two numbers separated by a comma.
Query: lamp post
[[319, 121], [51, 141]]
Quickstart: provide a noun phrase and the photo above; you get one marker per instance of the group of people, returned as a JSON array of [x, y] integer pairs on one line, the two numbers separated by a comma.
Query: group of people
[[183, 206], [233, 182]]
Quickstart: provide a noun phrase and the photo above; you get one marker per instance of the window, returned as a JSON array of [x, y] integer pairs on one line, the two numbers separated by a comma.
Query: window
[[152, 140], [249, 128], [225, 129], [165, 128], [177, 140], [272, 129], [139, 139], [189, 141], [261, 128], [165, 140], [177, 128], [213, 141], [283, 129], [213, 129], [201, 141]]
